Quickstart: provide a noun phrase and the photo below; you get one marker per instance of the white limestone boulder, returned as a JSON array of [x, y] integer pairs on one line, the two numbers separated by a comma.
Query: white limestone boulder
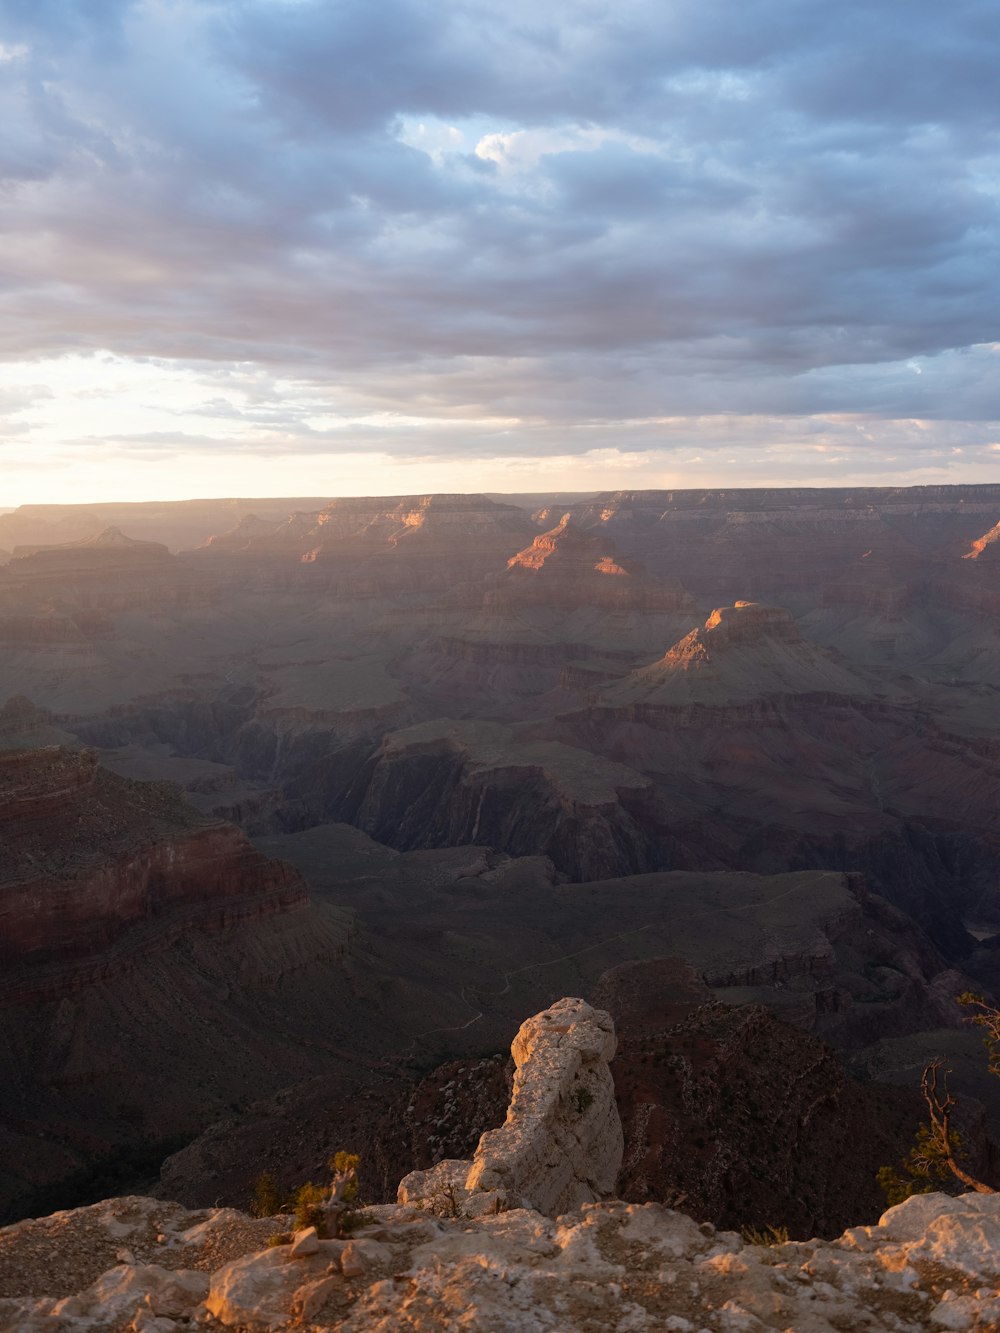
[[561, 1145]]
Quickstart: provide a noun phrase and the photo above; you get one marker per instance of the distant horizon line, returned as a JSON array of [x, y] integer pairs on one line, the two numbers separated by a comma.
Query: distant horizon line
[[554, 492]]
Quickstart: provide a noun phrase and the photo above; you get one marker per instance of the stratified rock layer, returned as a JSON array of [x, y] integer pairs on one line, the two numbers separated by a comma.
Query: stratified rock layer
[[90, 860], [568, 567], [745, 651], [446, 783]]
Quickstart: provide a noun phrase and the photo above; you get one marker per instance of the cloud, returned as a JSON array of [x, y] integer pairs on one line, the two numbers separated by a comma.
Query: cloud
[[539, 217]]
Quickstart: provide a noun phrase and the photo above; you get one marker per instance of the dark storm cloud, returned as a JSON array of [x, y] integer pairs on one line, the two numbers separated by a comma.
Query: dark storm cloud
[[753, 207]]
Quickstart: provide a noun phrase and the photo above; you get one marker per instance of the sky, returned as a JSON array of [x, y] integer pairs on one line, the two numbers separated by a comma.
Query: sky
[[327, 247]]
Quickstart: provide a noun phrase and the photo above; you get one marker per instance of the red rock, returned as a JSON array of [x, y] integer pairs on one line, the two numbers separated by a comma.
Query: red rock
[[94, 867]]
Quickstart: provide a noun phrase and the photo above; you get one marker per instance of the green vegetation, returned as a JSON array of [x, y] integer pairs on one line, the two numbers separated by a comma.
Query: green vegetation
[[309, 1207], [267, 1196], [924, 1170], [937, 1158], [769, 1236], [331, 1209], [583, 1098]]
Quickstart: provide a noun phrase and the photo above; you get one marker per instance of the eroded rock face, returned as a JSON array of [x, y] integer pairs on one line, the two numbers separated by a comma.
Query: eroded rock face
[[932, 1263], [561, 1145], [746, 651], [88, 858], [447, 783], [568, 567]]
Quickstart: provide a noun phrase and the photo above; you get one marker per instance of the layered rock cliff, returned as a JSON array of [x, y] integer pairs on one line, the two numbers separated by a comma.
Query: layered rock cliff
[[150, 962], [745, 651], [569, 567], [108, 571], [446, 783], [373, 546], [94, 868]]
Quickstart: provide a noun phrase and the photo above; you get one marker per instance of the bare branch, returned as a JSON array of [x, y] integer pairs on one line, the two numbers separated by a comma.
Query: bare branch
[[940, 1104]]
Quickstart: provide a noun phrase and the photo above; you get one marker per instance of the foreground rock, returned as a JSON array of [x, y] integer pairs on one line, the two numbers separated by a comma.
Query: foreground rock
[[461, 1251], [561, 1145], [933, 1263]]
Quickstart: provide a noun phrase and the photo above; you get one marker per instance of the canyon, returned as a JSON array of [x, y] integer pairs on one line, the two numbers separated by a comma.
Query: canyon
[[301, 801]]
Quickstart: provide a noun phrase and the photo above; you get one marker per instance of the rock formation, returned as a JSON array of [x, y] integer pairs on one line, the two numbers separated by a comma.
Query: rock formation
[[984, 546], [138, 1264], [740, 1119], [300, 677], [446, 783], [561, 1145], [568, 567], [783, 544], [108, 571], [744, 651], [373, 546], [91, 863], [107, 549], [178, 524], [135, 1263], [250, 529], [144, 952]]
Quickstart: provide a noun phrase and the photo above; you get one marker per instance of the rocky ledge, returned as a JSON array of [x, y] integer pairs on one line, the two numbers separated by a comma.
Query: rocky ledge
[[137, 1265]]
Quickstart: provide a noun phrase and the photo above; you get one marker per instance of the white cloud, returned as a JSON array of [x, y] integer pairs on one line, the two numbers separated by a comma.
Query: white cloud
[[451, 229]]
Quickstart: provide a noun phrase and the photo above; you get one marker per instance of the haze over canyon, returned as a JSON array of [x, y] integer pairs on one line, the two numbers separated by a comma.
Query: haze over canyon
[[306, 803]]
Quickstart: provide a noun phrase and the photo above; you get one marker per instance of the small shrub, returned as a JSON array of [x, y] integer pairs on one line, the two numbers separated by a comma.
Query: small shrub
[[582, 1099], [444, 1202], [345, 1164], [934, 1162], [267, 1196], [309, 1200], [279, 1238], [769, 1237]]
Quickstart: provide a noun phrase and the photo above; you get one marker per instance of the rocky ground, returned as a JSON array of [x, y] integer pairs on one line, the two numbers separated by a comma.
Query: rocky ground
[[516, 1239], [134, 1264]]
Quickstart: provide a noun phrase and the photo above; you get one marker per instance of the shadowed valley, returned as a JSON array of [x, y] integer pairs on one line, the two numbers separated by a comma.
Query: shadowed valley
[[301, 800]]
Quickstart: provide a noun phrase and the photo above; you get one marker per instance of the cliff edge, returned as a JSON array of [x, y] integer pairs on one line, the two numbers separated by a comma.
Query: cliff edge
[[143, 1266]]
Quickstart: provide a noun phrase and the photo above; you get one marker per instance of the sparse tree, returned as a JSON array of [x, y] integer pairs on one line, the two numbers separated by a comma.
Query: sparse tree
[[936, 1157], [267, 1196]]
